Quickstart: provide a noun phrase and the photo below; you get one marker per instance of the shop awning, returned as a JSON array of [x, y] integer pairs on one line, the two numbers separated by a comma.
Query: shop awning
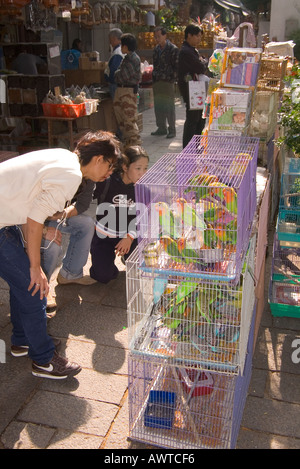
[[234, 5]]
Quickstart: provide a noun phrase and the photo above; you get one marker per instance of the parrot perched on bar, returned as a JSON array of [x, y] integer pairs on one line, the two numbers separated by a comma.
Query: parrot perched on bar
[[189, 215], [189, 254], [230, 199], [166, 219], [170, 247], [231, 232], [210, 239], [199, 183]]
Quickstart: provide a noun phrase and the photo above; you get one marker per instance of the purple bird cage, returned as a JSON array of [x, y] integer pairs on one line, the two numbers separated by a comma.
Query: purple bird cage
[[180, 407], [196, 208]]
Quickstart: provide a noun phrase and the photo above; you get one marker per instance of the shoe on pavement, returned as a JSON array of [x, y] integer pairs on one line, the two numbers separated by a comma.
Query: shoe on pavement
[[22, 350], [159, 132], [171, 135], [85, 280], [58, 368]]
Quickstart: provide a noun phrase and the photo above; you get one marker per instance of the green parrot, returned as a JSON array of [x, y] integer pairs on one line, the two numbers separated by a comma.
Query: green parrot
[[231, 232], [166, 219], [199, 184], [189, 216], [189, 255], [170, 247], [230, 199], [211, 240]]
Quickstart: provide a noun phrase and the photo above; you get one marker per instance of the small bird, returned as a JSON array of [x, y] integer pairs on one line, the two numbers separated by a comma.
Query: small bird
[[170, 247], [166, 219], [189, 216]]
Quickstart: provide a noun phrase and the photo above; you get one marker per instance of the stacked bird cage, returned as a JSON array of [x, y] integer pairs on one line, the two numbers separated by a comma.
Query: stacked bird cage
[[271, 74], [284, 290], [182, 407], [197, 208], [187, 320], [190, 294]]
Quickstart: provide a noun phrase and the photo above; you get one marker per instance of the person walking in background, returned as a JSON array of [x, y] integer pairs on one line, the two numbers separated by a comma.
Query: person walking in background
[[33, 187], [164, 75], [127, 78], [115, 59], [190, 64]]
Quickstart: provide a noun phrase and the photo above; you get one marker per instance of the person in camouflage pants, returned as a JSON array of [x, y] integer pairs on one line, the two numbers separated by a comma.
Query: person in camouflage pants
[[128, 77]]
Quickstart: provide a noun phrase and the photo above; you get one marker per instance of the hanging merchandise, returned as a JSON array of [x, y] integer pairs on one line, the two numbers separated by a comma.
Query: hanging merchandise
[[39, 18], [215, 62]]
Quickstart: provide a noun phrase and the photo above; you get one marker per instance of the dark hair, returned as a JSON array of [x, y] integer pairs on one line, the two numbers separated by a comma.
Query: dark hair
[[129, 40], [98, 143], [162, 29], [192, 29], [131, 155], [76, 44]]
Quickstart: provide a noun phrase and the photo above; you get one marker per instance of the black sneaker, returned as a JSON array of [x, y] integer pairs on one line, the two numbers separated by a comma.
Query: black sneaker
[[22, 350], [58, 368]]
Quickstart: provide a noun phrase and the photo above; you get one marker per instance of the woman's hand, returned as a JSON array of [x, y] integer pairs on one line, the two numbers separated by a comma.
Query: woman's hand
[[123, 246], [38, 282], [33, 232]]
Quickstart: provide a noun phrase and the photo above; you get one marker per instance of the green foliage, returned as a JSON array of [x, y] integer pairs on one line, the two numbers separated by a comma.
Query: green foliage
[[168, 18], [290, 113]]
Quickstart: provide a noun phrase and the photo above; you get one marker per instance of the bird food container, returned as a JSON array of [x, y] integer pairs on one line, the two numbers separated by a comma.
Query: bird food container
[[160, 409]]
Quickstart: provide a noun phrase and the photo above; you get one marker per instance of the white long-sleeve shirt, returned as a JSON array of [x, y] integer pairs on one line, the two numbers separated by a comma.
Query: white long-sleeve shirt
[[37, 185]]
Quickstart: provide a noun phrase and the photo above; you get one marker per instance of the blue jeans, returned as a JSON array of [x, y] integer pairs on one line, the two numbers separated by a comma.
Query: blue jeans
[[81, 229], [27, 312]]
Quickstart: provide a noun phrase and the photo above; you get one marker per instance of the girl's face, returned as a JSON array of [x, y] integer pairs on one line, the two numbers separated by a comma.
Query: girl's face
[[135, 170]]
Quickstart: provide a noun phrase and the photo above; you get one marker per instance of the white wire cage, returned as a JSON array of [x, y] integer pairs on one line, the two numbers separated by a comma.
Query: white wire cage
[[185, 408], [186, 320], [196, 208]]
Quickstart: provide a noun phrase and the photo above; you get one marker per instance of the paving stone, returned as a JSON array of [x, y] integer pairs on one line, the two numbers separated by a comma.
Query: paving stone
[[249, 439], [68, 412], [104, 325], [20, 435], [281, 386], [69, 440], [118, 434], [271, 416], [100, 358], [15, 375], [91, 385]]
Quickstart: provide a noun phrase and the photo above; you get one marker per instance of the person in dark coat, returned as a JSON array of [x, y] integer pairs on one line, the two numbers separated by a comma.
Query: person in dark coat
[[190, 64]]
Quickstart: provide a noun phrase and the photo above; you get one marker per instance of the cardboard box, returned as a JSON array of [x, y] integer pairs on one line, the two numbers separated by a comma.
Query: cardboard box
[[230, 110], [240, 67], [87, 63], [84, 77]]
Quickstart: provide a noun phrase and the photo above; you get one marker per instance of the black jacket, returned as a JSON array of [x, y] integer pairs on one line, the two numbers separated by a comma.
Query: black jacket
[[190, 63]]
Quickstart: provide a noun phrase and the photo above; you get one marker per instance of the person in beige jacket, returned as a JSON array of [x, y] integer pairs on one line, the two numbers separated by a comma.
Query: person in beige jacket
[[34, 187]]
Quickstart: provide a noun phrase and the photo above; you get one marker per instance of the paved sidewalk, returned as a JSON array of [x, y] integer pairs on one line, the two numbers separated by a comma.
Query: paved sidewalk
[[91, 410]]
